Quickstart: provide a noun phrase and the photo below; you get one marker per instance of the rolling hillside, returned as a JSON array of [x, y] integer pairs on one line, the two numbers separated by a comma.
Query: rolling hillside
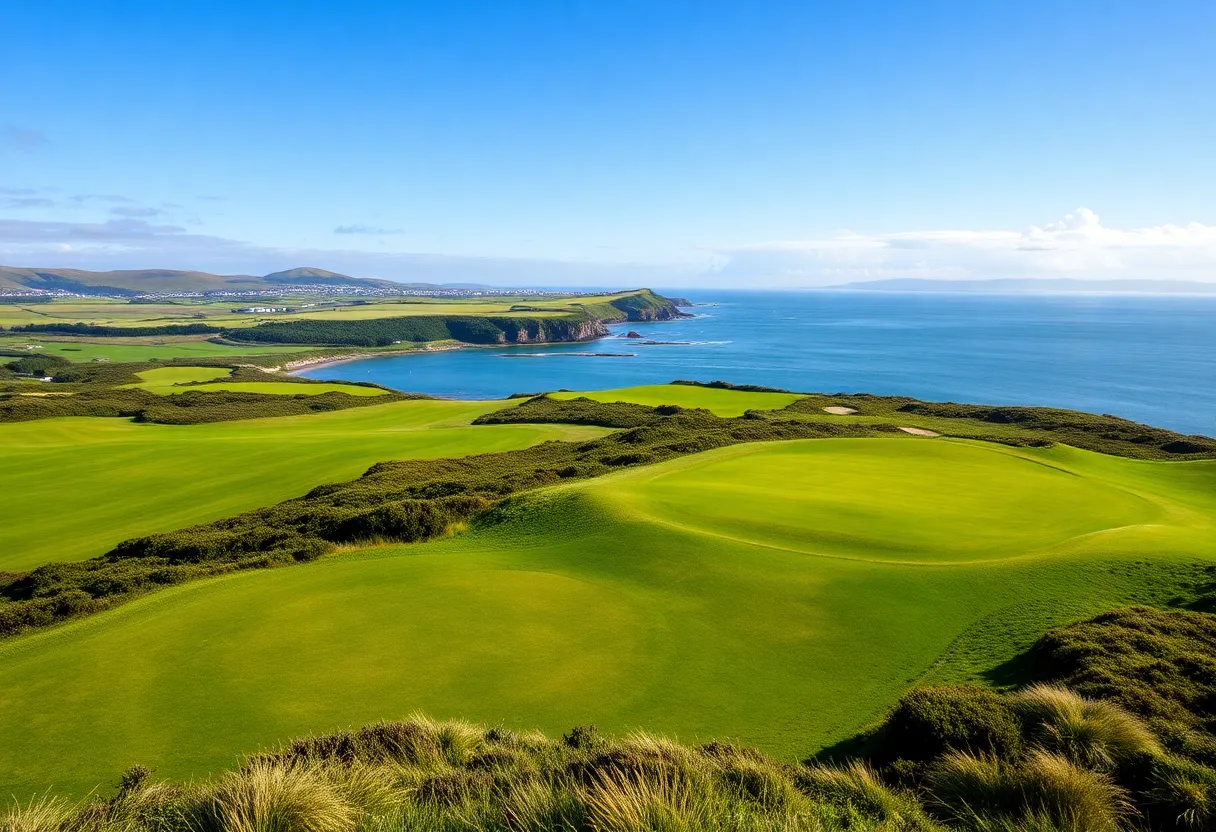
[[783, 594], [130, 282]]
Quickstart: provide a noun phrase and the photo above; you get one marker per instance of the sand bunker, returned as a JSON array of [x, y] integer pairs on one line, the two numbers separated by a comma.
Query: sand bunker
[[840, 411], [920, 432]]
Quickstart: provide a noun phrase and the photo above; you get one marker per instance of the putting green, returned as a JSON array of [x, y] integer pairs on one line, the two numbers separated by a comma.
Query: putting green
[[722, 402], [164, 380], [74, 487], [897, 503], [600, 602]]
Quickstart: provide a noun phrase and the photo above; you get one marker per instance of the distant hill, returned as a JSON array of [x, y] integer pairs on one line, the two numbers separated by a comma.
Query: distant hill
[[1028, 286], [169, 280]]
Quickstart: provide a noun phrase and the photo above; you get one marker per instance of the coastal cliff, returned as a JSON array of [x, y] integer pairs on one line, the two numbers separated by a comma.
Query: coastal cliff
[[585, 325], [644, 305]]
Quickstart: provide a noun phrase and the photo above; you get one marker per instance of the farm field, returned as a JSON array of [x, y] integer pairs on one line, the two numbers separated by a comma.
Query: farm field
[[132, 350], [115, 312], [73, 487], [783, 594]]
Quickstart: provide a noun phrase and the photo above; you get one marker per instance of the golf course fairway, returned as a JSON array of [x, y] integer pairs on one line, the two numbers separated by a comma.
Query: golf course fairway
[[781, 594], [74, 487]]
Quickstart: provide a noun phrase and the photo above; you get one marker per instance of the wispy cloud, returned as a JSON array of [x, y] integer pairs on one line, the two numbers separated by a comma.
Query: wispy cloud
[[17, 191], [101, 198], [1077, 245], [136, 243], [133, 211], [365, 229], [22, 138], [19, 202]]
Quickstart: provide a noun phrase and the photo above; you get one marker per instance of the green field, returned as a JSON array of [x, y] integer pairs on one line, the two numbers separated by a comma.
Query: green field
[[74, 487], [134, 350], [783, 594], [721, 402], [166, 381], [118, 312]]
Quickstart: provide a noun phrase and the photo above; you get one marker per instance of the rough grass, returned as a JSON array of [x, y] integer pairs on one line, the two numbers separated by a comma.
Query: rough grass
[[425, 774]]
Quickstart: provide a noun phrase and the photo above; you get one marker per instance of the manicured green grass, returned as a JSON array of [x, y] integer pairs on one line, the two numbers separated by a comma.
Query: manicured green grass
[[168, 380], [783, 594], [287, 388], [123, 350], [74, 487], [164, 379], [721, 402]]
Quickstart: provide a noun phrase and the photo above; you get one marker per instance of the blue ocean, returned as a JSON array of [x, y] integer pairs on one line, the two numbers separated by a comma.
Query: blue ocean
[[1147, 358]]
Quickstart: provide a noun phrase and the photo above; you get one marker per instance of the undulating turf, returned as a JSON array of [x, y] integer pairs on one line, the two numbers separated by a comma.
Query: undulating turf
[[287, 388], [761, 592], [170, 380], [721, 402], [133, 350], [74, 487]]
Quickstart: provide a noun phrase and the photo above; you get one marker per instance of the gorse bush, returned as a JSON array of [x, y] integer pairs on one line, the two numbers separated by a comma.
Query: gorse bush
[[37, 365], [930, 722]]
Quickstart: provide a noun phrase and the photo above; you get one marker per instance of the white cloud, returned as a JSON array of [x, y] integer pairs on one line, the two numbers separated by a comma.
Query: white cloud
[[1077, 246]]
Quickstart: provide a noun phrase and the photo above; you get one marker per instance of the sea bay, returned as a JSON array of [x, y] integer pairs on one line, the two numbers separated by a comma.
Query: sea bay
[[1146, 358]]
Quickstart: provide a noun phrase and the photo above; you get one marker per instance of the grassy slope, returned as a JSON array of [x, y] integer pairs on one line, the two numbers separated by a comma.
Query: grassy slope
[[74, 487], [632, 600], [721, 402]]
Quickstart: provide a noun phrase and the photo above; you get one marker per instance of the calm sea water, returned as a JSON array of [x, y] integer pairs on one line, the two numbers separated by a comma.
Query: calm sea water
[[1145, 358]]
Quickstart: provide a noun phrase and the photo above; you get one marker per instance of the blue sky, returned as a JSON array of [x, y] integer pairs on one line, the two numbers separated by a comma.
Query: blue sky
[[577, 142]]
